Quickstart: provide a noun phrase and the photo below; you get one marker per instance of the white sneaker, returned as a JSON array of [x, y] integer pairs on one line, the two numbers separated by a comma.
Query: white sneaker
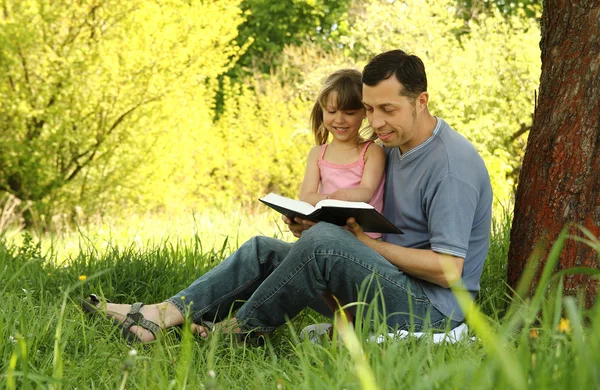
[[452, 336], [315, 332]]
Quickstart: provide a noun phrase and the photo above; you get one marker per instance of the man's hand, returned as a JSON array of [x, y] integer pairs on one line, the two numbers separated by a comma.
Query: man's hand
[[353, 227], [297, 225]]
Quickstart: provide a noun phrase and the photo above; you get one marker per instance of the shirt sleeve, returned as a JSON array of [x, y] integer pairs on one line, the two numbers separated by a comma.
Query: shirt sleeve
[[450, 208]]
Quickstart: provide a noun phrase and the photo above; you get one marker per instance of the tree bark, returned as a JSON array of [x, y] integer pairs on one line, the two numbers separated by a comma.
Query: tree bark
[[560, 178]]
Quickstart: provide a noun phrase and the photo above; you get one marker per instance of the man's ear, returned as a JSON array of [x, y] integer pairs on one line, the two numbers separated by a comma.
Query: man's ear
[[422, 99]]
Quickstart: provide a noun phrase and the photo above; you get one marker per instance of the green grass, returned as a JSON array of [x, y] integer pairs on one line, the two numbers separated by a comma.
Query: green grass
[[46, 342], [208, 228]]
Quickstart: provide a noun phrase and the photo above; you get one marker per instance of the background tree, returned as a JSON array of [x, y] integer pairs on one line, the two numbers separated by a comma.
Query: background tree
[[270, 26], [109, 106], [473, 8], [273, 24], [560, 179], [482, 72], [79, 79]]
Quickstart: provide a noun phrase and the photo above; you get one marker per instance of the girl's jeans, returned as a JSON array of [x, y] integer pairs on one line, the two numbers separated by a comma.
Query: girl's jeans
[[270, 281]]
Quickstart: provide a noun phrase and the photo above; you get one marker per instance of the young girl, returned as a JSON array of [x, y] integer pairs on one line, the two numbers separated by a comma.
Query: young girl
[[350, 167]]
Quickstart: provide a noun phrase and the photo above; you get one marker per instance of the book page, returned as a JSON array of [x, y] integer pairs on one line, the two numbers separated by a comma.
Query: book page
[[343, 203], [290, 204]]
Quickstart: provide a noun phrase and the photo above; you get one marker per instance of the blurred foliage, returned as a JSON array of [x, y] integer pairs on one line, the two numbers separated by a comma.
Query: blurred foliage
[[86, 88], [482, 73], [108, 107], [473, 8], [272, 24]]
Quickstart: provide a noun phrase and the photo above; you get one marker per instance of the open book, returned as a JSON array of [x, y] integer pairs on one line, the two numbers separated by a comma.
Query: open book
[[332, 211]]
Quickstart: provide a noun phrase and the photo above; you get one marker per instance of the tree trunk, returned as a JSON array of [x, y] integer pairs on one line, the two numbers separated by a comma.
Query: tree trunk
[[560, 178]]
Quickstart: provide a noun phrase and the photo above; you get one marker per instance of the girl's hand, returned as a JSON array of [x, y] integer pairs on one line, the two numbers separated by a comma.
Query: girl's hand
[[339, 195]]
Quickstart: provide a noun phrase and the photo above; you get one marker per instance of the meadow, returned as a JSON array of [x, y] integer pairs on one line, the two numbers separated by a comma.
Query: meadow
[[545, 341]]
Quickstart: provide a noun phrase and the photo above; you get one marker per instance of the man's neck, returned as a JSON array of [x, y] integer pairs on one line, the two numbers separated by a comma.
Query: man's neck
[[425, 126]]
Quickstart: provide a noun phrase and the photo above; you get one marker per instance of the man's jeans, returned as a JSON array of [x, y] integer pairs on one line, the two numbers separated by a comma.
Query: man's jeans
[[270, 281]]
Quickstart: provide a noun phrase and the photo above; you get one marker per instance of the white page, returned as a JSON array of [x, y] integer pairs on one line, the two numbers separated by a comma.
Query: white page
[[343, 203], [291, 204]]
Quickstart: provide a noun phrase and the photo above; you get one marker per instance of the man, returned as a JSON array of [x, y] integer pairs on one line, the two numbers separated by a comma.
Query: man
[[437, 192]]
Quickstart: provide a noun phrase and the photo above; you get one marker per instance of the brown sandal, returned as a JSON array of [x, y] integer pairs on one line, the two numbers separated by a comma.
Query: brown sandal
[[134, 317]]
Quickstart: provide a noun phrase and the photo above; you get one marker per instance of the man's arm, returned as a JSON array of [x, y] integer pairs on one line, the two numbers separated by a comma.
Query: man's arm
[[441, 269]]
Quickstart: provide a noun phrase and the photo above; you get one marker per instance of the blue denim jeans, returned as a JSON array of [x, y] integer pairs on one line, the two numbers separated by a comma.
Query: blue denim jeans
[[268, 281]]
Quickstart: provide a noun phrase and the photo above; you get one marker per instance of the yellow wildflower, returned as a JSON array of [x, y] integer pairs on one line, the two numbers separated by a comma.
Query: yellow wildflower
[[564, 326], [533, 334], [82, 277]]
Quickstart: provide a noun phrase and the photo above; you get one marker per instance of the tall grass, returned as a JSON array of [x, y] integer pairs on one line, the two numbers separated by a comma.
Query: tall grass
[[47, 342], [209, 228]]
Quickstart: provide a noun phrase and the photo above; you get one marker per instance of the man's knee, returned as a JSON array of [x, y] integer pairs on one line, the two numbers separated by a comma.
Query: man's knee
[[263, 246], [322, 233]]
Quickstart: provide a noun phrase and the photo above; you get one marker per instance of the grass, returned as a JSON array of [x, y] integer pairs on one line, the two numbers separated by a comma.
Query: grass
[[549, 341], [209, 228]]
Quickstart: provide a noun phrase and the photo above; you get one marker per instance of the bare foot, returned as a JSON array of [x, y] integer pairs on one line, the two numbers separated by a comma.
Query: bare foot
[[228, 326], [231, 326], [165, 315], [200, 330]]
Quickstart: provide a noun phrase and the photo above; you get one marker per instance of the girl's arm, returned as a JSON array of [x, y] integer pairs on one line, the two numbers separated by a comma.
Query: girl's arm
[[309, 192], [372, 175]]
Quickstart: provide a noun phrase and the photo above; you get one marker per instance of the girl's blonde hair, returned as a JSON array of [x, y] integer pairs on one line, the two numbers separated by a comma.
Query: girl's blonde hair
[[347, 84]]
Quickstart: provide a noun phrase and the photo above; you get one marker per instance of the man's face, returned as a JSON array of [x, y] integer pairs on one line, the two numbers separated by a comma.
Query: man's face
[[394, 117]]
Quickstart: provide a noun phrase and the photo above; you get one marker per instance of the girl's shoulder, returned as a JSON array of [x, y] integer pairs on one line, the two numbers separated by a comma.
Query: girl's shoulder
[[370, 146], [315, 152], [372, 149]]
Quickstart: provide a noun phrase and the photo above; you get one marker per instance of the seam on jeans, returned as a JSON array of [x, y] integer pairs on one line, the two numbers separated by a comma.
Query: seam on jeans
[[419, 322], [177, 304], [374, 271], [197, 315], [259, 329], [280, 286], [440, 322], [274, 259], [415, 298]]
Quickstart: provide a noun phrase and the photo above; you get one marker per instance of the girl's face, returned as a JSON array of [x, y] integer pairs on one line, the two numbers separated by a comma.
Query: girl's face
[[342, 124]]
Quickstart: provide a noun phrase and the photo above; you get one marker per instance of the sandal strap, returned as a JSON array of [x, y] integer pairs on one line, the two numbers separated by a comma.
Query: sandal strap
[[210, 326], [134, 317], [95, 300], [135, 308]]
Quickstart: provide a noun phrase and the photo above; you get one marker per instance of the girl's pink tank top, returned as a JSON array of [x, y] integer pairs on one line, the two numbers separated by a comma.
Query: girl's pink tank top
[[336, 176]]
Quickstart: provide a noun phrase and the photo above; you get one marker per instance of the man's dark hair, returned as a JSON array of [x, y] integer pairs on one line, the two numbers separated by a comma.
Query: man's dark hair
[[408, 69]]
